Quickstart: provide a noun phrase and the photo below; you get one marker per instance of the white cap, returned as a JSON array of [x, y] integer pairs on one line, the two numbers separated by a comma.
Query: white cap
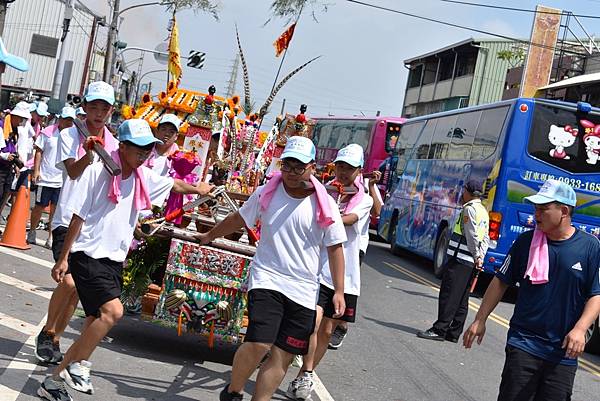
[[21, 110], [300, 148], [80, 111], [352, 154], [171, 119], [138, 132], [100, 90], [68, 112], [42, 109]]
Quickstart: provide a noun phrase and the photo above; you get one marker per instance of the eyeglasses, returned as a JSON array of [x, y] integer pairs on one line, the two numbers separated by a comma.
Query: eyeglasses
[[141, 155], [293, 168]]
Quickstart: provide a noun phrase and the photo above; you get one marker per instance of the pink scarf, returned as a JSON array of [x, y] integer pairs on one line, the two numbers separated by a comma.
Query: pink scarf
[[538, 263], [324, 214], [358, 196], [49, 130], [110, 143], [141, 199], [150, 162]]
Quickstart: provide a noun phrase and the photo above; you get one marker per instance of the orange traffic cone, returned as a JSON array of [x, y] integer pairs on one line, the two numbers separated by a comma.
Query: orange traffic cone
[[15, 232]]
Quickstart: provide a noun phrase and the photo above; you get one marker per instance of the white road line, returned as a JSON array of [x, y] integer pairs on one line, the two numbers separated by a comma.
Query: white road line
[[26, 257], [25, 365], [25, 286], [17, 325], [320, 389]]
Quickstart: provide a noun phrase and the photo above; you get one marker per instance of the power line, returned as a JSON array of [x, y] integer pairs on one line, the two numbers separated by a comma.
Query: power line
[[525, 10], [391, 10]]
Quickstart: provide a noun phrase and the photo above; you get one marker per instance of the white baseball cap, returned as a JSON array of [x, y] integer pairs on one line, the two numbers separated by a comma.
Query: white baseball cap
[[42, 109], [68, 112], [171, 119], [80, 111], [300, 148], [100, 90], [554, 191], [22, 110], [138, 132], [352, 154]]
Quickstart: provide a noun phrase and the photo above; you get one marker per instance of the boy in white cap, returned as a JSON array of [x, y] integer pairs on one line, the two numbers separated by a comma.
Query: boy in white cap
[[105, 210], [74, 156], [80, 112], [296, 223], [557, 269], [166, 132], [355, 210], [46, 175]]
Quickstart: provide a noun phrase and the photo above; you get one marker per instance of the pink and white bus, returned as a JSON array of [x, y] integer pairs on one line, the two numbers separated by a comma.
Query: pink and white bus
[[377, 136]]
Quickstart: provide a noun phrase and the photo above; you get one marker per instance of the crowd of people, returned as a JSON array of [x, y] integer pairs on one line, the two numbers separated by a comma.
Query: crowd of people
[[305, 279]]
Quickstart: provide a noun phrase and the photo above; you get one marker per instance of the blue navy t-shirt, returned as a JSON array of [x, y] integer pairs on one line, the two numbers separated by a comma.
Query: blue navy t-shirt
[[545, 313]]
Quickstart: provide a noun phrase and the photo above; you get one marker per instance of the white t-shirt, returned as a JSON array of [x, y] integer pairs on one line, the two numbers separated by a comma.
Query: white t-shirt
[[25, 144], [68, 148], [50, 176], [108, 228], [287, 256], [365, 237], [161, 167], [351, 249]]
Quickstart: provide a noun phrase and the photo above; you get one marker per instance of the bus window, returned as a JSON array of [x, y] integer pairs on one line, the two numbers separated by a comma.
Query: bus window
[[392, 133], [551, 139], [441, 137], [490, 127], [322, 133], [462, 136], [406, 142], [422, 144]]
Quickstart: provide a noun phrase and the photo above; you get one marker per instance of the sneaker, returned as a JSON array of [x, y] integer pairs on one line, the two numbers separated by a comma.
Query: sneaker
[[31, 237], [44, 350], [77, 376], [297, 361], [301, 387], [54, 390], [337, 337], [225, 395], [41, 226], [48, 243], [58, 356]]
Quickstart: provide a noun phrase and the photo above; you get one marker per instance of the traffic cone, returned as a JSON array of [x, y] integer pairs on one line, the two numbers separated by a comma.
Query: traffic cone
[[15, 232]]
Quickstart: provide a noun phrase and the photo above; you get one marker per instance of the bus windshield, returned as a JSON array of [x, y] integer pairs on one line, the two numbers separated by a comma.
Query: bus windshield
[[330, 135], [559, 138]]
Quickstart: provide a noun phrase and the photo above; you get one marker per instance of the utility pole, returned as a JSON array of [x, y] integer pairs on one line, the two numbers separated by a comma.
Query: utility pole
[[60, 63], [233, 77], [110, 43], [3, 8]]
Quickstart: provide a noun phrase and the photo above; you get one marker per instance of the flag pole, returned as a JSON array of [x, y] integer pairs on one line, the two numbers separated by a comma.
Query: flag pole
[[282, 60], [170, 38]]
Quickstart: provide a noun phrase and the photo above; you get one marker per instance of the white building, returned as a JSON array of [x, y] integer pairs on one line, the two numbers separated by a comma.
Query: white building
[[33, 29]]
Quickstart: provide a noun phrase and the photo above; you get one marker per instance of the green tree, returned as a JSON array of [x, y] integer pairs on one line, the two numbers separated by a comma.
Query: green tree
[[209, 6], [289, 9], [515, 57]]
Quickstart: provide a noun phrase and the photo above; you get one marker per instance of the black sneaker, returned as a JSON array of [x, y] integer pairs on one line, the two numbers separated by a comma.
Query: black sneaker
[[430, 335], [54, 390], [44, 349], [225, 395], [58, 356], [31, 237], [337, 337]]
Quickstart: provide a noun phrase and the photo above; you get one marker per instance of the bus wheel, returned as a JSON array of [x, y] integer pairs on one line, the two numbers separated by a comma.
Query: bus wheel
[[439, 254], [394, 248], [592, 337]]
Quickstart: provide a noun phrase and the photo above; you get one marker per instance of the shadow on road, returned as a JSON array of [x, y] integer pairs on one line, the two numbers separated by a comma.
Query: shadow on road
[[391, 325]]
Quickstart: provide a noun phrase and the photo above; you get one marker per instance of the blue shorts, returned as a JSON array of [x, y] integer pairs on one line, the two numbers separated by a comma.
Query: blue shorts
[[22, 180], [46, 195]]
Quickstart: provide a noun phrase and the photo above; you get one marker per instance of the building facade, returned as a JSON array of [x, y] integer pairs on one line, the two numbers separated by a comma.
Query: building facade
[[33, 29], [463, 74]]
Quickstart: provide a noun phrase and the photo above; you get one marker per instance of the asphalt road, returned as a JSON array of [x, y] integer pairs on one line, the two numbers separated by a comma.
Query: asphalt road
[[381, 358]]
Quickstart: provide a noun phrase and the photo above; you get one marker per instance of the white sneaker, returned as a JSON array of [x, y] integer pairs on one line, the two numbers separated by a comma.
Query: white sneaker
[[297, 361], [77, 376], [301, 387]]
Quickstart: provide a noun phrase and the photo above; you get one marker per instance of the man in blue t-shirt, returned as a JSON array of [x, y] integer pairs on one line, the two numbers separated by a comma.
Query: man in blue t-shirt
[[559, 298]]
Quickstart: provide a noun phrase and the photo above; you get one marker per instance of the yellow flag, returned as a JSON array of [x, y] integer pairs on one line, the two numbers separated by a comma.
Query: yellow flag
[[174, 56]]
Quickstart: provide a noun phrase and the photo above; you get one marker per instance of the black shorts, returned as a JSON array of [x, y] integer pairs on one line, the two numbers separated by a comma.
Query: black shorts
[[46, 195], [98, 281], [22, 180], [326, 302], [58, 239], [275, 319]]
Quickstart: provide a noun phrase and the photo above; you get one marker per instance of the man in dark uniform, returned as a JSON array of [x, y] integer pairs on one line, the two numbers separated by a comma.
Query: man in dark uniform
[[466, 250]]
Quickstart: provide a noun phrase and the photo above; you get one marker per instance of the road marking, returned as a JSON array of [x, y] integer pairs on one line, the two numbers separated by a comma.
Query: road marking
[[320, 389], [583, 363], [17, 325], [21, 365], [26, 257], [22, 285]]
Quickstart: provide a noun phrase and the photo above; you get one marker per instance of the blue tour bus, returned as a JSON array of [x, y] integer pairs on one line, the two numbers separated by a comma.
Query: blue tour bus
[[512, 147]]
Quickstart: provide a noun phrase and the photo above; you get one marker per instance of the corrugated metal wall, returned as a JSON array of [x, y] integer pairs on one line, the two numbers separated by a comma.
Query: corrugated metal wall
[[490, 73], [44, 17]]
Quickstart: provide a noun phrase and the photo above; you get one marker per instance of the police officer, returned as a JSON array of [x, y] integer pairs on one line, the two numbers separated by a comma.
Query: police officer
[[466, 250]]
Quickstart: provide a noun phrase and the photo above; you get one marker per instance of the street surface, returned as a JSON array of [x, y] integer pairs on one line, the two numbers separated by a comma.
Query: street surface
[[381, 359]]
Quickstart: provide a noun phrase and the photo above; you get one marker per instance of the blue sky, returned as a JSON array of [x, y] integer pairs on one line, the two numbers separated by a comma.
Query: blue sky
[[363, 49]]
